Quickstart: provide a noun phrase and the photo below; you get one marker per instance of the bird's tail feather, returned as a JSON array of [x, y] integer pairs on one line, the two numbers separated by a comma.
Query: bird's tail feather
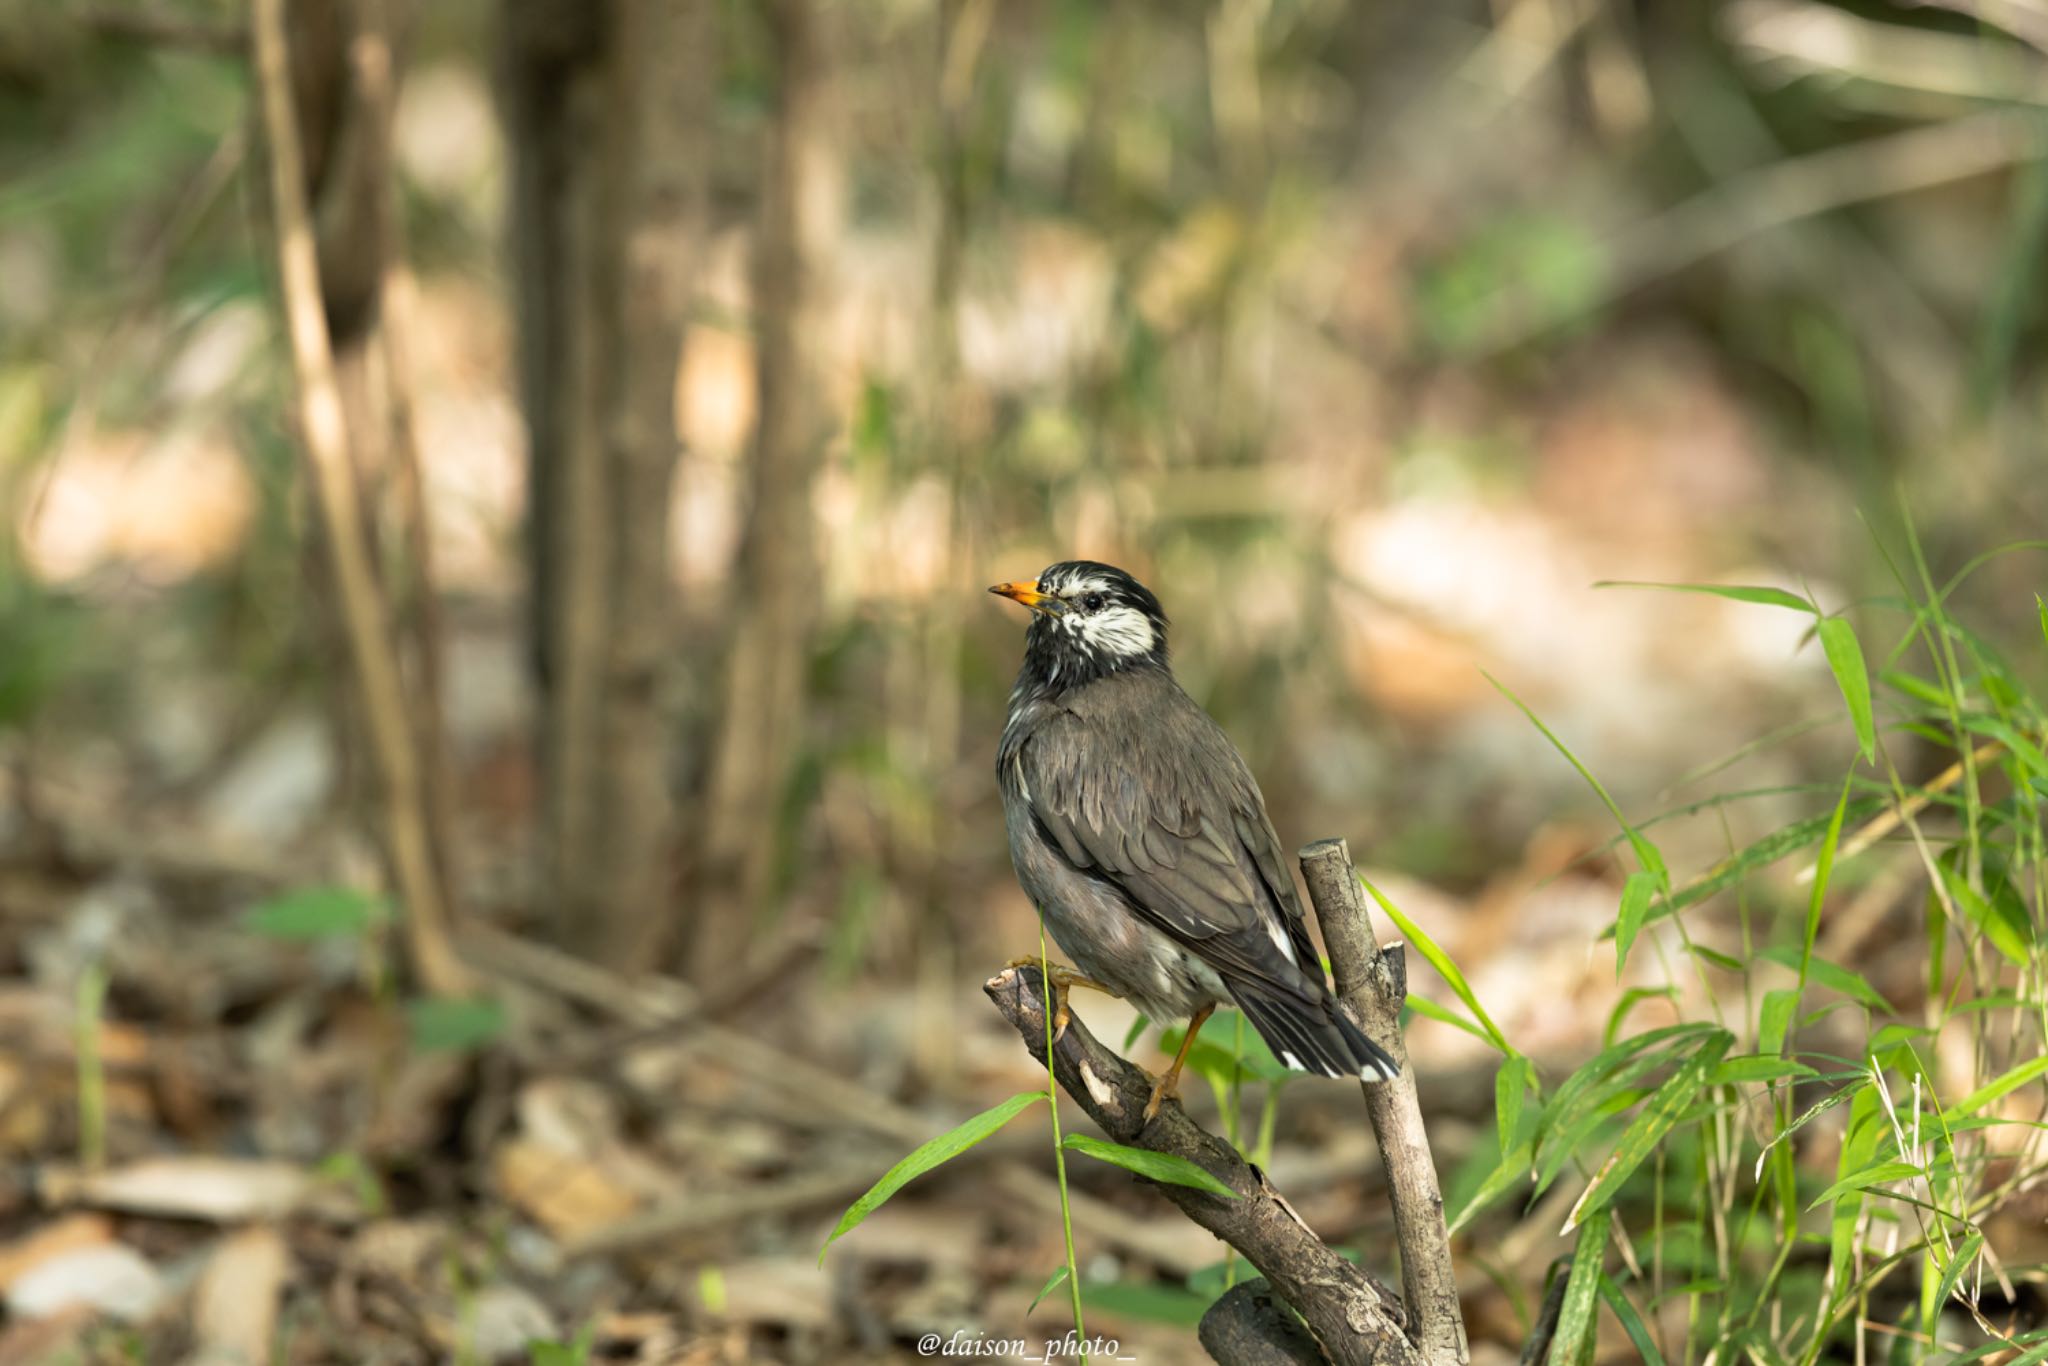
[[1312, 1035]]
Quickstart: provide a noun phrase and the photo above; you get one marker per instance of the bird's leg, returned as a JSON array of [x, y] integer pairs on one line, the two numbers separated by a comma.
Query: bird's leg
[[1059, 977], [1168, 1087]]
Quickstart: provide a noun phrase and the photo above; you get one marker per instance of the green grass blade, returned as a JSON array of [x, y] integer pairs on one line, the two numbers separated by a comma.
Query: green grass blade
[[1635, 904], [1510, 1085], [1581, 1290], [1166, 1167], [1441, 961], [1774, 1020], [1845, 658], [1052, 1283], [1647, 853], [1996, 1090], [1965, 1256], [1874, 1175], [1656, 1119], [1631, 1322], [1763, 596], [926, 1156], [1824, 869], [1430, 1010]]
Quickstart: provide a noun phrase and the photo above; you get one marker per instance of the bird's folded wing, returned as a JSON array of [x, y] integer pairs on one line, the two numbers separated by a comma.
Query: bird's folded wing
[[1182, 830]]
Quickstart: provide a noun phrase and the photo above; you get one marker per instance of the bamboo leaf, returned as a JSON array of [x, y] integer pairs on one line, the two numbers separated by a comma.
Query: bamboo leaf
[[1656, 1119], [1635, 903], [1631, 1322], [1774, 1020], [1575, 1319], [1845, 658], [1870, 1176], [1510, 1084], [1167, 1167], [1998, 1089], [1052, 1283], [1441, 961], [933, 1153], [1763, 596]]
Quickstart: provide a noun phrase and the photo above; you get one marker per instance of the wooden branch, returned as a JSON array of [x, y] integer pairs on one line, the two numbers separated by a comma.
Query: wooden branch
[[1374, 984], [1250, 1326], [1353, 1318], [324, 431]]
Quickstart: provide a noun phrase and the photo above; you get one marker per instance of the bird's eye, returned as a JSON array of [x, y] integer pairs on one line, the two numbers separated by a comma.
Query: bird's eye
[[1093, 602]]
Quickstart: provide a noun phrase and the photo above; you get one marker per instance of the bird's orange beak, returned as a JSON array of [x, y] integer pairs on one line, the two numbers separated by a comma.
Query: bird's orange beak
[[1026, 592]]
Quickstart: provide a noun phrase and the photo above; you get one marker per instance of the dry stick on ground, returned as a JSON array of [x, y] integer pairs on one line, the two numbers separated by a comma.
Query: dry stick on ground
[[325, 438], [1354, 1318], [1348, 1314]]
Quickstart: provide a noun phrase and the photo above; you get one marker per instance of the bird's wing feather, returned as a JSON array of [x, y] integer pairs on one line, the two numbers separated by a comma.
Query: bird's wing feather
[[1174, 818]]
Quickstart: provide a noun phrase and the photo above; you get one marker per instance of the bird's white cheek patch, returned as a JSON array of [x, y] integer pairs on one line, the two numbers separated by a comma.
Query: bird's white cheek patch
[[1123, 631]]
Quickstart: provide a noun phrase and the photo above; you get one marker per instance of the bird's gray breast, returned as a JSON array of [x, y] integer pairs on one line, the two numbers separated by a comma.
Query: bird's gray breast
[[1088, 915]]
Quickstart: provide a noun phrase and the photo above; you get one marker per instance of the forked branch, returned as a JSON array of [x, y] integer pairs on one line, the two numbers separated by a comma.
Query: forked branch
[[1352, 1316]]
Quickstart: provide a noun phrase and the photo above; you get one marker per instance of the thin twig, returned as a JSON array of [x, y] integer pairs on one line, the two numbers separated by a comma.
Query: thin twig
[[325, 440]]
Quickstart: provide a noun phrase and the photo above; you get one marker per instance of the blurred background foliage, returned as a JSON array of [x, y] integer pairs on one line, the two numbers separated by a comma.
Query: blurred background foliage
[[1371, 336]]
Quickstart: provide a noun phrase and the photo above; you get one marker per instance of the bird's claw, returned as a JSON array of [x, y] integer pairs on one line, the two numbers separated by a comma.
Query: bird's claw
[[1163, 1089]]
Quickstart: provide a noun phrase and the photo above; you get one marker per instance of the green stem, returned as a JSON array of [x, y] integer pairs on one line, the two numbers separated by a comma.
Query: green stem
[[1059, 1152]]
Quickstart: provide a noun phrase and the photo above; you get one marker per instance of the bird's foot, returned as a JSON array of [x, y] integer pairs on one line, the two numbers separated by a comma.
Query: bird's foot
[[1059, 978], [1167, 1087]]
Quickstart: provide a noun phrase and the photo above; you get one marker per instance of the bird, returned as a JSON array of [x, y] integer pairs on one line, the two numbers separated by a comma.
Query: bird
[[1137, 830]]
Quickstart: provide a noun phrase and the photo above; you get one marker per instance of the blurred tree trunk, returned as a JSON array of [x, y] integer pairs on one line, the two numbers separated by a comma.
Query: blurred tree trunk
[[607, 110], [776, 586]]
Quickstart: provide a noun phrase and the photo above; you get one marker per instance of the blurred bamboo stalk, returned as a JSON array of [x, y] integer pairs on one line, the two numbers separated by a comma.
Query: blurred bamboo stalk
[[324, 433], [775, 582]]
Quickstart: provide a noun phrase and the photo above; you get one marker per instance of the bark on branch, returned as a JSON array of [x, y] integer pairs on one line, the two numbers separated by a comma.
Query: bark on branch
[[1374, 983], [1354, 1318]]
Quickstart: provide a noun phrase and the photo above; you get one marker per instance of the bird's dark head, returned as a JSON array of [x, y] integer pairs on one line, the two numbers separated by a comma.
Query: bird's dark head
[[1088, 619]]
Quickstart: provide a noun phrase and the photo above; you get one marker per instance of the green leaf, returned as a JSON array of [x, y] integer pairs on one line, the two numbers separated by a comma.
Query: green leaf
[[1754, 1068], [1512, 1172], [1833, 976], [1647, 853], [1631, 1322], [1575, 1319], [2001, 916], [1845, 657], [1430, 1010], [1635, 903], [1965, 1256], [1052, 1283], [1441, 961], [1996, 1090], [1647, 1130], [1630, 999], [1767, 597], [1823, 870], [1510, 1084], [1774, 1020], [1167, 1167], [448, 1023], [1870, 1176], [935, 1152], [1138, 1026], [1769, 849], [317, 913], [1915, 687]]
